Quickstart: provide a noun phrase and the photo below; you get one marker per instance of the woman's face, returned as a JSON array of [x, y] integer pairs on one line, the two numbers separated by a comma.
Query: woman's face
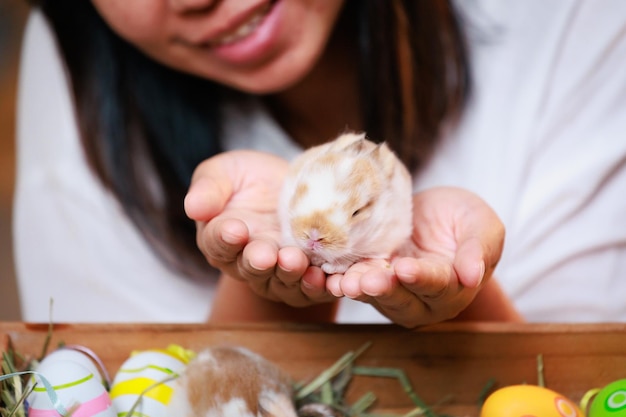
[[258, 46]]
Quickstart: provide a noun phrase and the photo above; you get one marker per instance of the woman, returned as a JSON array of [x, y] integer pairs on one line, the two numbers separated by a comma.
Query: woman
[[285, 75]]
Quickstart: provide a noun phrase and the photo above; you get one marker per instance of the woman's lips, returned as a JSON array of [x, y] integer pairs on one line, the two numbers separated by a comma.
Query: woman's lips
[[253, 41], [242, 30]]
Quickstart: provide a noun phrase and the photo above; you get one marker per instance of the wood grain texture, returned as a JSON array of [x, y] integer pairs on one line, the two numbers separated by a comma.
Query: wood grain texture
[[453, 361]]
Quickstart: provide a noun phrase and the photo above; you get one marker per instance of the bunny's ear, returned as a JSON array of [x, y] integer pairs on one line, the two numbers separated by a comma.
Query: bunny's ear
[[347, 141], [385, 158], [357, 147]]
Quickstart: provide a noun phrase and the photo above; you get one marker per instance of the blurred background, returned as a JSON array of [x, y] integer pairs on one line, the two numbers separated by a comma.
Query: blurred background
[[12, 18]]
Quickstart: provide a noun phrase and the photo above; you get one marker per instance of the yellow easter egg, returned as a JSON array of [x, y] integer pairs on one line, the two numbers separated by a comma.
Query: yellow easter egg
[[148, 376], [528, 401]]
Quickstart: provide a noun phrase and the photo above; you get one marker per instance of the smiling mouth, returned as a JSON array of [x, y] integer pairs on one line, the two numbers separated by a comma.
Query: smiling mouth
[[244, 29]]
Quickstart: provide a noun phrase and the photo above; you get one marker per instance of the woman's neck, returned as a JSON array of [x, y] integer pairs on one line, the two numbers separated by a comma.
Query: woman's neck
[[326, 102]]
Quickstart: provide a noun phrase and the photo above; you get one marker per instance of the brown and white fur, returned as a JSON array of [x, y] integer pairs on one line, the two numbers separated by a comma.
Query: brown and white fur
[[345, 201], [232, 382]]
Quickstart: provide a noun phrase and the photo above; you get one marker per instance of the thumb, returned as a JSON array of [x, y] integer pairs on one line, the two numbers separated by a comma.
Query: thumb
[[479, 248], [469, 263], [209, 191]]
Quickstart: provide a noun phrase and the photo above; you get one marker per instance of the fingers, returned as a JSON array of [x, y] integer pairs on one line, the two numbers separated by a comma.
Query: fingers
[[297, 282], [359, 279], [259, 259], [292, 263], [308, 290], [403, 308], [478, 252], [430, 278], [459, 223], [377, 284], [480, 237], [222, 240], [436, 284], [227, 246], [279, 275], [314, 285], [392, 299], [414, 292]]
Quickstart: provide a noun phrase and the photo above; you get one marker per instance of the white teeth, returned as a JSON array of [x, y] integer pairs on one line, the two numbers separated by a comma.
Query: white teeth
[[243, 30]]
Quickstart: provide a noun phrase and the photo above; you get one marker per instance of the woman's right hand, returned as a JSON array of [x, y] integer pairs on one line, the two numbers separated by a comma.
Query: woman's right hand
[[233, 198], [456, 243]]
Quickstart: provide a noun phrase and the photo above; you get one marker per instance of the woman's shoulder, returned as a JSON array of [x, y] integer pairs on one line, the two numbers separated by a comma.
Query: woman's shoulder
[[44, 104], [38, 38]]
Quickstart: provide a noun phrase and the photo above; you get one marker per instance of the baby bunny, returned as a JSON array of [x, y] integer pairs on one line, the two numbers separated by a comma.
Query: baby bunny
[[232, 382], [345, 201]]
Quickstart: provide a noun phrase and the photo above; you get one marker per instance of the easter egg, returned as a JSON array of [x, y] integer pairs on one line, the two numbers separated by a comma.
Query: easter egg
[[528, 401], [610, 401], [76, 388], [81, 357], [148, 376]]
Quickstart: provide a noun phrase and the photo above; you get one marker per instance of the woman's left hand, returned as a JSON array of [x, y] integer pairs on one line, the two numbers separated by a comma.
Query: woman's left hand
[[233, 198], [456, 244]]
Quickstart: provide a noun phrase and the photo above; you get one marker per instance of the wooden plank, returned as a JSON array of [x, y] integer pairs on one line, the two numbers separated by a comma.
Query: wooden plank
[[450, 360]]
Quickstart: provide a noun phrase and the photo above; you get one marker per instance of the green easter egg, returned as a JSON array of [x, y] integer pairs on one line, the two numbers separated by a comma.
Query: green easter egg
[[610, 401]]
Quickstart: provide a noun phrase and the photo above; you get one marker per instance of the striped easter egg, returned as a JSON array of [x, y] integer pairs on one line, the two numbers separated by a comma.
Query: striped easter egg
[[147, 378], [75, 388]]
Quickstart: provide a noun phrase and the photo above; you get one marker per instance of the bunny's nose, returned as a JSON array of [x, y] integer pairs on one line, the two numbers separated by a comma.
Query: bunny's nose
[[314, 245], [314, 240]]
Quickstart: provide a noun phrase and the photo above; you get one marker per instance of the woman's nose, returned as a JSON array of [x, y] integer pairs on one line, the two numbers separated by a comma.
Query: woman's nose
[[187, 6]]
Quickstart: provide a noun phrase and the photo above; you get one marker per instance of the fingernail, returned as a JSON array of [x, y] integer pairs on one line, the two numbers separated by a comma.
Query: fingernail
[[230, 238], [481, 272]]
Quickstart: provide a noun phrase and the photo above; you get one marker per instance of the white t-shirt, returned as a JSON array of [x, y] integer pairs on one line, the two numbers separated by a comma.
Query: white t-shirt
[[543, 141]]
